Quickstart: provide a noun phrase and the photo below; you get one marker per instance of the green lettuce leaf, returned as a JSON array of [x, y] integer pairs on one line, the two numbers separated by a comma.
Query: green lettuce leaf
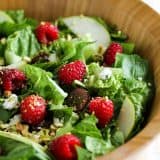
[[16, 147], [7, 29], [21, 44], [128, 48], [83, 154], [16, 15], [117, 138], [133, 66], [74, 49], [20, 22], [42, 83], [97, 146], [87, 127], [63, 114], [5, 115]]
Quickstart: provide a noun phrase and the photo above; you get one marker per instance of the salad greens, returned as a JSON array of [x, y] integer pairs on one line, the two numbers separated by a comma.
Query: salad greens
[[42, 83], [128, 83], [133, 66], [19, 45], [17, 148]]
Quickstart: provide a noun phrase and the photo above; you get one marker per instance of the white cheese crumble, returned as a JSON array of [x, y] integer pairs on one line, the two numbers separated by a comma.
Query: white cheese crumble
[[11, 102], [53, 58], [57, 122], [15, 119], [105, 73]]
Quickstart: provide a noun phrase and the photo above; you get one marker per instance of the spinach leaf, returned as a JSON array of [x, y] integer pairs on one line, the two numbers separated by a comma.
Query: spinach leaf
[[5, 115], [75, 49], [97, 146], [43, 84], [21, 22], [133, 66], [19, 18], [63, 113], [66, 129], [16, 15], [8, 28], [83, 154], [16, 147], [69, 118], [87, 127], [2, 47], [128, 48], [117, 138], [21, 44]]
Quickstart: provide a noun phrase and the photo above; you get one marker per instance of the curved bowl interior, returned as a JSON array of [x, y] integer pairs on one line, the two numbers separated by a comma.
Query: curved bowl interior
[[142, 25]]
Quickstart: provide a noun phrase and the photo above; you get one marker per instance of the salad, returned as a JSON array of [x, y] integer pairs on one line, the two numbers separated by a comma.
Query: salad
[[71, 89]]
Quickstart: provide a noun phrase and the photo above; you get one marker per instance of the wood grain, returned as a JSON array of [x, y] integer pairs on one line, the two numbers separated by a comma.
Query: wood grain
[[135, 18]]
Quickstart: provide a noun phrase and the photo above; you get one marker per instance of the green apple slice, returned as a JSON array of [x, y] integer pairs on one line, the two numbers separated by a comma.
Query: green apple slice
[[4, 17], [83, 25], [126, 119]]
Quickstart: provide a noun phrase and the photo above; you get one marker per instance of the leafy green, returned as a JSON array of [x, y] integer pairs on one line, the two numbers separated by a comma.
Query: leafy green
[[83, 154], [8, 28], [42, 83], [16, 15], [128, 48], [97, 146], [83, 128], [49, 66], [133, 66], [140, 93], [67, 116], [21, 22], [117, 138], [87, 127], [63, 113], [2, 47], [65, 129], [110, 86], [21, 44], [116, 87], [4, 17], [16, 147], [5, 115], [69, 50]]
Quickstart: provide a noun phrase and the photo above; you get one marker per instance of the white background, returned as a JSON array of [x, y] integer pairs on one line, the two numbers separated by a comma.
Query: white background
[[154, 4]]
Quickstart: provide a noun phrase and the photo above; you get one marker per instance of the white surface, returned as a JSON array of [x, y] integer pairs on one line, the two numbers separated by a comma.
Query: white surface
[[155, 4], [148, 152]]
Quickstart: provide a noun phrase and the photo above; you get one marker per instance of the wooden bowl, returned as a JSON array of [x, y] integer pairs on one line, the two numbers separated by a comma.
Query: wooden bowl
[[142, 25]]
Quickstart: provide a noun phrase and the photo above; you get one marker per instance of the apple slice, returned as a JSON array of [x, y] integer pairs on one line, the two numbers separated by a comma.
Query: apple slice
[[126, 119], [83, 25]]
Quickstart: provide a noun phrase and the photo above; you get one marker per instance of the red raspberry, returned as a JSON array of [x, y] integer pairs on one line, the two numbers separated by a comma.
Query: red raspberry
[[103, 109], [63, 147], [72, 71], [110, 54], [33, 109], [12, 79], [46, 33]]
